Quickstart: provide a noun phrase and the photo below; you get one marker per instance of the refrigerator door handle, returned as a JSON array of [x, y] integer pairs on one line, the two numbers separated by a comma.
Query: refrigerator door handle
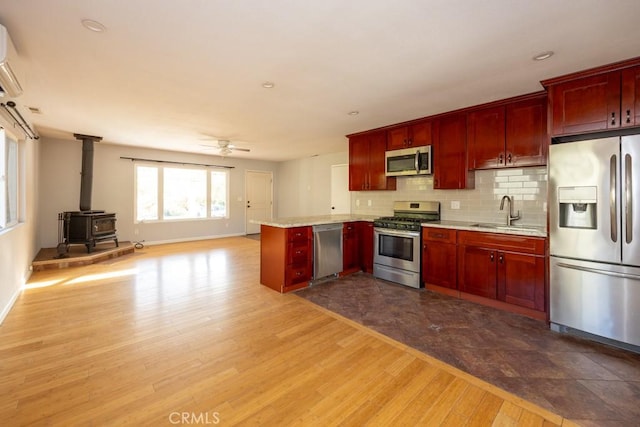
[[600, 271], [628, 192], [613, 210]]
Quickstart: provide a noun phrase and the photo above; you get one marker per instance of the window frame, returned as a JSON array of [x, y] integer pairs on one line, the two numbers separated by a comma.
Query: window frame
[[9, 197], [160, 176]]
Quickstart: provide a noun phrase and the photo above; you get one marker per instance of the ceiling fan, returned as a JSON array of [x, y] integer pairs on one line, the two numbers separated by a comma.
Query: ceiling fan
[[225, 147]]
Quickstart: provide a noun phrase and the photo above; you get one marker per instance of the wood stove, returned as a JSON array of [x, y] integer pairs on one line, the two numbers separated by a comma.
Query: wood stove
[[89, 228], [85, 226]]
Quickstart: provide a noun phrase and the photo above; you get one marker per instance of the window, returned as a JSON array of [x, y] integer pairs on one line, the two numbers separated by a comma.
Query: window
[[8, 180], [146, 193], [166, 193], [219, 194]]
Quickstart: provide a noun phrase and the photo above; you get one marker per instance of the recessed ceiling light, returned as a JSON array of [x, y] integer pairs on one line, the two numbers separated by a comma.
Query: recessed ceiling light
[[544, 55], [92, 25], [268, 85], [353, 113]]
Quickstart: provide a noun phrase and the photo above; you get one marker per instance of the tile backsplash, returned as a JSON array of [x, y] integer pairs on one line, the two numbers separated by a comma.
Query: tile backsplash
[[526, 186]]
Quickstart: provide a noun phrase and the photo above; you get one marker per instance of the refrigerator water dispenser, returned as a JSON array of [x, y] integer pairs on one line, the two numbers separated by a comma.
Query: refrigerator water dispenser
[[578, 207]]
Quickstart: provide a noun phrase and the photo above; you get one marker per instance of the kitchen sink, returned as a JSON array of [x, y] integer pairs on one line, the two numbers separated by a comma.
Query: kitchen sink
[[505, 227]]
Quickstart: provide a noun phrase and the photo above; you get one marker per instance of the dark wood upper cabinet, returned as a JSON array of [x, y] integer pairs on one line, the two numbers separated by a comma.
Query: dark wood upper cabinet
[[630, 103], [526, 133], [367, 161], [486, 137], [415, 135], [450, 153], [595, 100], [586, 105], [509, 135]]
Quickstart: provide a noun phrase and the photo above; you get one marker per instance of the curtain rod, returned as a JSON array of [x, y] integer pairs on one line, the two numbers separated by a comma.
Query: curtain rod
[[19, 119], [134, 159]]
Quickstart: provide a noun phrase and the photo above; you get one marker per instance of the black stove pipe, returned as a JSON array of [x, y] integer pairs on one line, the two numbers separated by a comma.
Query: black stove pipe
[[86, 177]]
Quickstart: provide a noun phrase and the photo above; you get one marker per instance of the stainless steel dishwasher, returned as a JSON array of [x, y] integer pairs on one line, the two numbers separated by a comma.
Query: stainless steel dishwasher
[[327, 250]]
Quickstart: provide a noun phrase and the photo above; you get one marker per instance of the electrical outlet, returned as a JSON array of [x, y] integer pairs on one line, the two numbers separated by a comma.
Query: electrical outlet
[[357, 203], [136, 231], [455, 204], [369, 202]]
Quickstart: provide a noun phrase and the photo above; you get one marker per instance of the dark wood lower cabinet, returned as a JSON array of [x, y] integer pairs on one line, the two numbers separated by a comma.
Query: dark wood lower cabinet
[[477, 271], [508, 268], [366, 246], [439, 265], [521, 279], [350, 249], [286, 257], [502, 270]]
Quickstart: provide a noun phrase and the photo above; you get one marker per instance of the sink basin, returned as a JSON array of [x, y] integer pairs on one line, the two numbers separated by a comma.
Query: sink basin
[[505, 227]]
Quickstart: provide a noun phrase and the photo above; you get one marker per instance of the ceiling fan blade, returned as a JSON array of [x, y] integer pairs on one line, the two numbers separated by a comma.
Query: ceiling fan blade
[[239, 149]]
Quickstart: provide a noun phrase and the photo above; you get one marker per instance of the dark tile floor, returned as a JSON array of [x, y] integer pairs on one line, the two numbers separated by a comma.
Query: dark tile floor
[[587, 382]]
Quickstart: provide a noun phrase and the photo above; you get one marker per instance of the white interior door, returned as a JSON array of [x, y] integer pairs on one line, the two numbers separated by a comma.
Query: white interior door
[[259, 191], [340, 195]]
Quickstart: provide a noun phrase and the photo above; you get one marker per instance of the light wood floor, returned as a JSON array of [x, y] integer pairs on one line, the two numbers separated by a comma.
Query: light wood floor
[[184, 333]]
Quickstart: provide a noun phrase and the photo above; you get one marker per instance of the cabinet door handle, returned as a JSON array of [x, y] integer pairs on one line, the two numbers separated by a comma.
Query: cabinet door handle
[[501, 258], [613, 118], [409, 142], [500, 158], [628, 116], [509, 158], [491, 256]]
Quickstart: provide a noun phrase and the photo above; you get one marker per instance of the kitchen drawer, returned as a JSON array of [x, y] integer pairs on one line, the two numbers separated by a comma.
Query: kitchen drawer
[[299, 234], [504, 242], [299, 253], [297, 274], [433, 234]]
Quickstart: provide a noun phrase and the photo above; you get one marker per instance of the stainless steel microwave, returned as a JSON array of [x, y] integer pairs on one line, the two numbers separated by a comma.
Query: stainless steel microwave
[[408, 161]]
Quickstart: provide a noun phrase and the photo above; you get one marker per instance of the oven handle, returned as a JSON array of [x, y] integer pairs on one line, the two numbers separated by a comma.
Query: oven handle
[[398, 233]]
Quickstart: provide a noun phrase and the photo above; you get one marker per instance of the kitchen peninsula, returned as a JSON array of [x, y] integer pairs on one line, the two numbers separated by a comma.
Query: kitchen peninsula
[[286, 248]]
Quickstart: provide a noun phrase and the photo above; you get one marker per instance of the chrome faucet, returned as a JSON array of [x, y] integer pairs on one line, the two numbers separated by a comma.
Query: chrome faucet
[[510, 217]]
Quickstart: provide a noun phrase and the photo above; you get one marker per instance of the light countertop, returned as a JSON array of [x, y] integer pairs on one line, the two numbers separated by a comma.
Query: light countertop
[[526, 230], [302, 221]]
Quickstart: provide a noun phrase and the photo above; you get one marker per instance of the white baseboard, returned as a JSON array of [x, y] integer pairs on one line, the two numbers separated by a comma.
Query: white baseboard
[[191, 239], [5, 311]]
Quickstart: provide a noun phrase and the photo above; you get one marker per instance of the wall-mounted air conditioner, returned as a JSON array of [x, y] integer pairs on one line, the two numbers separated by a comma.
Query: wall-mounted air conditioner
[[9, 85]]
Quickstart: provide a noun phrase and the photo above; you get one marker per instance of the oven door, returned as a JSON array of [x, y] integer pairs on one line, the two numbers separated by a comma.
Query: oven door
[[395, 248]]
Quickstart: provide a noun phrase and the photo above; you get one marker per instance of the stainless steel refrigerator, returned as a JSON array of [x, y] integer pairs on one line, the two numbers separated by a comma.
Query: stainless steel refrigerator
[[594, 238]]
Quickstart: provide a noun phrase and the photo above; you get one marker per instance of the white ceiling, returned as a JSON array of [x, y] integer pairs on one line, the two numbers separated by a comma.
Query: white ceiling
[[165, 72]]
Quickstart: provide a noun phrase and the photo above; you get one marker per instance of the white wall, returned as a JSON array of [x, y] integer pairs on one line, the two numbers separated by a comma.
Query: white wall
[[113, 191], [18, 244], [303, 186]]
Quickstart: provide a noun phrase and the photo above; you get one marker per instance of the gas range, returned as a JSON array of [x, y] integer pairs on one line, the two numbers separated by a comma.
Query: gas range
[[397, 241], [409, 216]]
